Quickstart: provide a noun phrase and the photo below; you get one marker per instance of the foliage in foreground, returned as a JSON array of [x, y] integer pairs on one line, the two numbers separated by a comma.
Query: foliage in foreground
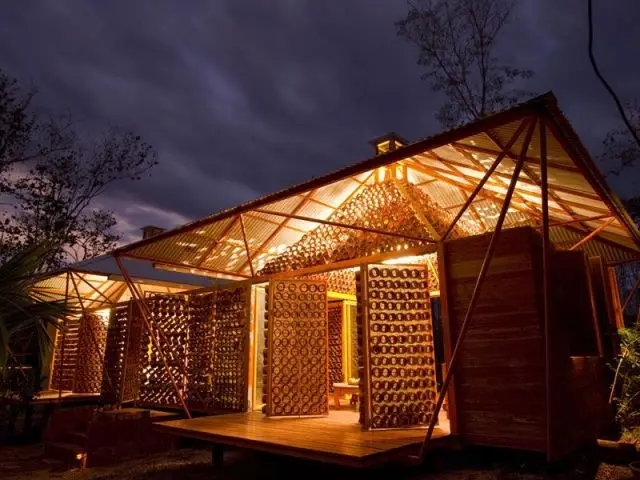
[[628, 401], [26, 315]]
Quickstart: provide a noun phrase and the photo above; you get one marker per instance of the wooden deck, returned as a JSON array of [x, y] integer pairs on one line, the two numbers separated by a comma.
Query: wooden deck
[[53, 396], [337, 438]]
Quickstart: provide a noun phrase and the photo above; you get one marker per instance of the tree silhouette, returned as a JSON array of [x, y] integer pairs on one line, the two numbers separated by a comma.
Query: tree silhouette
[[50, 179], [456, 41]]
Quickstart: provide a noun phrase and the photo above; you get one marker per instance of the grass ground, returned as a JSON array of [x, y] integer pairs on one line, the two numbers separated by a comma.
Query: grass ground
[[21, 463]]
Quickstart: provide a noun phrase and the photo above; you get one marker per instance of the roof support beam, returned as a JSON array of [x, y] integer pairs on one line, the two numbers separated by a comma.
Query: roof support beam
[[343, 225], [532, 175], [354, 262], [581, 219], [184, 266], [417, 210], [246, 245], [483, 194], [109, 300], [217, 243], [480, 184], [284, 224], [593, 234], [490, 151]]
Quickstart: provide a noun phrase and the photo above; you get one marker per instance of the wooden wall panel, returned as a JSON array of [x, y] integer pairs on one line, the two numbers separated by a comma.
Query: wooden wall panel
[[605, 307], [499, 380], [398, 347], [92, 337], [230, 379], [577, 327], [169, 323], [134, 355], [297, 353], [200, 365], [114, 353], [65, 356]]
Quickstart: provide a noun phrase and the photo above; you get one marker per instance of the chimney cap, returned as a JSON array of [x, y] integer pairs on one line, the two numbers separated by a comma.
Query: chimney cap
[[150, 231], [387, 142]]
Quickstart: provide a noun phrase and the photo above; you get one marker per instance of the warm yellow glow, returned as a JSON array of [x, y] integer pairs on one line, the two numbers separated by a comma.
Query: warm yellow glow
[[104, 315], [92, 277], [403, 260]]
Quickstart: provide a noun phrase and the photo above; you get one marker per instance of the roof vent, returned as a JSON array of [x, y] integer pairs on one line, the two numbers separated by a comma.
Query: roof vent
[[387, 143], [151, 231]]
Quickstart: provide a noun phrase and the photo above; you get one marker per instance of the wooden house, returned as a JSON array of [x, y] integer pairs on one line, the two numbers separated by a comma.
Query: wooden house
[[471, 269]]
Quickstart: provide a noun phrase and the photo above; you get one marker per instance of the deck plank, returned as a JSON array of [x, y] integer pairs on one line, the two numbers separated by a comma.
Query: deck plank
[[337, 438]]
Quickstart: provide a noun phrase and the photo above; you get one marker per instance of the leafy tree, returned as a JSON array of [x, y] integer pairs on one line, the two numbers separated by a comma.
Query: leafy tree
[[51, 179], [620, 150], [628, 376], [457, 42]]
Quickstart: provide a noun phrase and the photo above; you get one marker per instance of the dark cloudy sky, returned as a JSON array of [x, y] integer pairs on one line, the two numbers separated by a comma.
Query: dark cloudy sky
[[243, 97]]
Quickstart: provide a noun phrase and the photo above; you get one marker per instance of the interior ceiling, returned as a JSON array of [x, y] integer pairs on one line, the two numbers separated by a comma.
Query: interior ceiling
[[447, 173], [92, 291]]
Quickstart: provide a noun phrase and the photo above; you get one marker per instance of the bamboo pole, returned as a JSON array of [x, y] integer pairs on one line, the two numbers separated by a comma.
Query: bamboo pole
[[593, 233], [343, 225], [108, 300], [480, 185], [546, 286], [143, 312], [628, 299], [577, 220], [246, 245], [181, 366], [474, 298]]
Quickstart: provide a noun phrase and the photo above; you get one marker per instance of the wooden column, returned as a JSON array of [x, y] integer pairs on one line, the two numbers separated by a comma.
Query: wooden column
[[544, 190]]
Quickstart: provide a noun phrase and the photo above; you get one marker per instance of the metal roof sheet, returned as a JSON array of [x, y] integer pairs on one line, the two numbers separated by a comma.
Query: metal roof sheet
[[453, 164]]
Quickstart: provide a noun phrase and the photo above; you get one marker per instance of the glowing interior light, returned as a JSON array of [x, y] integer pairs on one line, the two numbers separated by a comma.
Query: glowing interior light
[[400, 260], [92, 277], [103, 315]]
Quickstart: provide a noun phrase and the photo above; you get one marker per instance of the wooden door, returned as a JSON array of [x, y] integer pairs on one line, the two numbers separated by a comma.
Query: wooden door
[[398, 381], [297, 356]]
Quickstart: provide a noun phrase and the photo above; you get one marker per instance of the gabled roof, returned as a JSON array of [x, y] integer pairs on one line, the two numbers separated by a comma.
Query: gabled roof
[[447, 168]]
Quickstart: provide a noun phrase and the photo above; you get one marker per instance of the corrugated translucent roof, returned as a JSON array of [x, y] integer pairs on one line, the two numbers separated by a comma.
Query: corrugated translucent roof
[[99, 282], [447, 167]]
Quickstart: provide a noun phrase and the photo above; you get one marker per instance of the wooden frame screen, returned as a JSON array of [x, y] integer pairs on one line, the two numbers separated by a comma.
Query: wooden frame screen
[[230, 378], [335, 319], [92, 338], [398, 381], [65, 356], [297, 349]]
